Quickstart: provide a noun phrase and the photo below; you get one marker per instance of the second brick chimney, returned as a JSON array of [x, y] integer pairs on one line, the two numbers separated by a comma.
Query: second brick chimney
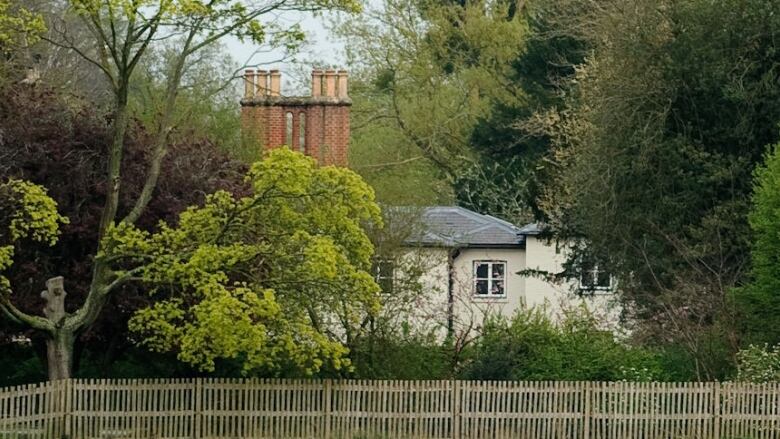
[[316, 125]]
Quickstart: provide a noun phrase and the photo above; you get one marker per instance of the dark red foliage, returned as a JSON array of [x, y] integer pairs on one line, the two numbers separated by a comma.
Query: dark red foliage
[[60, 142]]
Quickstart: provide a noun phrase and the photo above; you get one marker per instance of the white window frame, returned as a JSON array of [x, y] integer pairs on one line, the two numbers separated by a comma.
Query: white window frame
[[595, 271], [489, 279]]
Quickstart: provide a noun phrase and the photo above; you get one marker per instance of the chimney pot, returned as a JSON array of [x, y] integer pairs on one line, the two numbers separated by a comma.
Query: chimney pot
[[316, 83], [249, 83], [343, 79], [330, 83], [261, 84], [276, 83]]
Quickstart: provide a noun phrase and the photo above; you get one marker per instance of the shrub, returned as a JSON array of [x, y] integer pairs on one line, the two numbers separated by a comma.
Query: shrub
[[530, 346], [402, 357], [758, 364]]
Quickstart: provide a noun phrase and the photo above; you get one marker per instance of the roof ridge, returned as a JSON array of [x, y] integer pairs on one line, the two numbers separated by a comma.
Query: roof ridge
[[482, 218], [456, 224]]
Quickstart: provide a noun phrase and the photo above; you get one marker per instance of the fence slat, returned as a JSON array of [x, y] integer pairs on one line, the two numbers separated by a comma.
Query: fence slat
[[227, 408]]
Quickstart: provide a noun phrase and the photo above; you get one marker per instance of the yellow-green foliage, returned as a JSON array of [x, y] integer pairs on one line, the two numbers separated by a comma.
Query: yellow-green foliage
[[261, 278], [26, 212], [17, 24]]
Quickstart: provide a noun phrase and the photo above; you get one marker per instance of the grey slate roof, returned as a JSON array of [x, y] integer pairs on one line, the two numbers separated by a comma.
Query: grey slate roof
[[452, 226]]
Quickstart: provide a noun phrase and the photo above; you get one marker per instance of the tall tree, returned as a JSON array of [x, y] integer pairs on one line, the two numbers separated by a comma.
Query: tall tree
[[759, 300], [665, 121], [272, 279], [123, 32], [64, 149], [512, 167], [429, 71]]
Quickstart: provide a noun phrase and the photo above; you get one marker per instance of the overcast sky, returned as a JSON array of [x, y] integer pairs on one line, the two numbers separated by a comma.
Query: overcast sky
[[321, 46]]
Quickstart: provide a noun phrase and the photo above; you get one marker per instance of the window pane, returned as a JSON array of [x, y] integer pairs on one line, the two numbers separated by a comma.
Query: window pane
[[482, 271], [497, 288], [288, 129], [603, 279], [302, 132], [498, 271], [588, 279], [386, 285], [482, 287], [386, 268]]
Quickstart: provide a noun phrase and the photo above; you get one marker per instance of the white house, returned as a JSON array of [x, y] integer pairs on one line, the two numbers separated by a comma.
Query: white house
[[467, 264], [472, 264]]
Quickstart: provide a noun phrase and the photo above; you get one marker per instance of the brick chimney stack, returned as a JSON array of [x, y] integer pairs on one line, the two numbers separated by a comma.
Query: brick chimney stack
[[317, 125]]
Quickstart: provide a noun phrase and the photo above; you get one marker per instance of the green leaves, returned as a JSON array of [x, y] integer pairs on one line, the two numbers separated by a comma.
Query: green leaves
[[425, 74], [263, 278], [19, 25], [26, 212], [653, 120], [35, 214], [758, 364], [530, 346]]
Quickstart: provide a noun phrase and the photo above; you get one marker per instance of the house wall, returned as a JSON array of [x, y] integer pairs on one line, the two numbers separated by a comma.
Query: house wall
[[522, 290], [549, 255], [419, 301], [429, 311], [470, 310]]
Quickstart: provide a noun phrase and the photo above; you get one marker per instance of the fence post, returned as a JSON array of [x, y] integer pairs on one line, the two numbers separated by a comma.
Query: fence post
[[716, 408], [587, 411], [455, 404], [198, 416], [67, 400], [327, 395]]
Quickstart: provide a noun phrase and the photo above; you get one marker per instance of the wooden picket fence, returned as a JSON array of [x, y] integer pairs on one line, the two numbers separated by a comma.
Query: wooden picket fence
[[222, 408]]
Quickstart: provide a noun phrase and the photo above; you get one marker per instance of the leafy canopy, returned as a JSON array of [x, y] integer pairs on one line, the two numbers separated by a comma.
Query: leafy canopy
[[222, 16], [653, 156], [270, 279], [426, 73]]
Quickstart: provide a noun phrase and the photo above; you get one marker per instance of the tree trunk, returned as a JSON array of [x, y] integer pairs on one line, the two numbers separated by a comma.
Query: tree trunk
[[59, 350], [59, 344]]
